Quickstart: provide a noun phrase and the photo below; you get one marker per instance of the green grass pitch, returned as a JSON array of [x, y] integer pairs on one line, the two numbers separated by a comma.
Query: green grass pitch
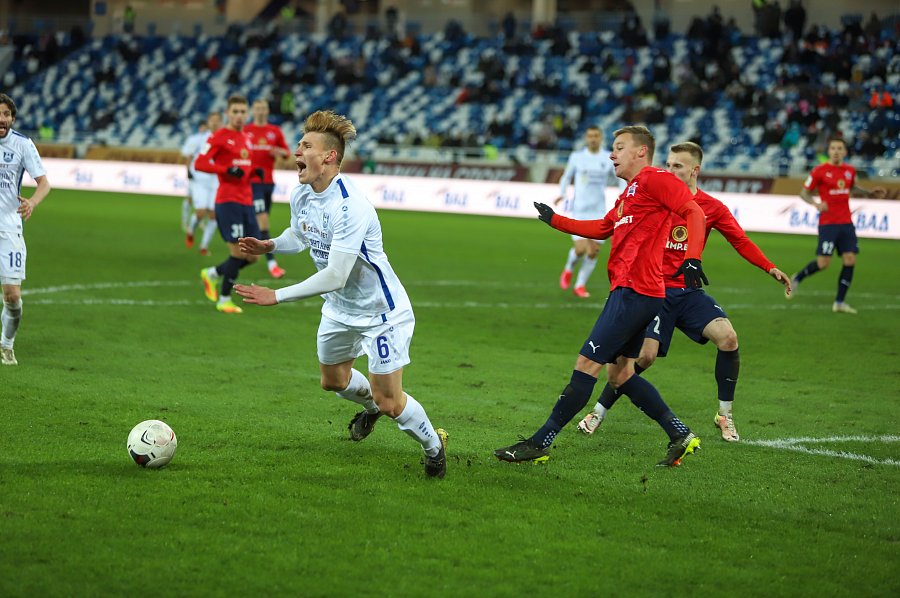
[[267, 496]]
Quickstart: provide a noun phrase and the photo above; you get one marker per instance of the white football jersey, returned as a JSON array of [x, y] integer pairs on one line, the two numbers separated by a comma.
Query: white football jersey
[[17, 155], [592, 173], [342, 219], [193, 147]]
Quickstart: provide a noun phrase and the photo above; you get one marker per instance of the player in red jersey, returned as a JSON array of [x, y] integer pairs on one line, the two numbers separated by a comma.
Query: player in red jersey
[[266, 144], [692, 311], [227, 154], [835, 181], [638, 225]]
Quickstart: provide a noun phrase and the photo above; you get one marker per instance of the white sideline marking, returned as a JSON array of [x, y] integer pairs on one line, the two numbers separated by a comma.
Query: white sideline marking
[[796, 445]]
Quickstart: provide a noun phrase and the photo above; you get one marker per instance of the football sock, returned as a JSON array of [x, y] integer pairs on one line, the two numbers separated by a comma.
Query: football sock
[[10, 317], [810, 269], [186, 210], [209, 230], [844, 283], [230, 269], [414, 421], [571, 260], [646, 398], [264, 236], [728, 365], [587, 267], [572, 400], [609, 395], [192, 224], [725, 407], [359, 391]]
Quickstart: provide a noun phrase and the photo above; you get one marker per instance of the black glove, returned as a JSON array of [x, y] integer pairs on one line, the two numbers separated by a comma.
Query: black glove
[[235, 171], [545, 212], [260, 173], [693, 274]]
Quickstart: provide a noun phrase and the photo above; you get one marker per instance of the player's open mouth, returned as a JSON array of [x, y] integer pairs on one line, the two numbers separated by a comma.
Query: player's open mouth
[[301, 168]]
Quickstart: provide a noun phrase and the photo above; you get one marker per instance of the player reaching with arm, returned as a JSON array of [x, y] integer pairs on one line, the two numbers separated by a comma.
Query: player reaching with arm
[[19, 154], [692, 311], [638, 226], [835, 181], [227, 154], [366, 309], [266, 144], [591, 169], [203, 185]]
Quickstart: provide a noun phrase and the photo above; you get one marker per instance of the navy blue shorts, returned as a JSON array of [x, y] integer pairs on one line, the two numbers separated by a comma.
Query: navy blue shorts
[[688, 310], [262, 197], [620, 328], [235, 221], [837, 236]]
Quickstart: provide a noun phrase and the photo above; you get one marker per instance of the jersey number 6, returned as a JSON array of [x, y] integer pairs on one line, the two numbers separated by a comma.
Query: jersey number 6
[[383, 350]]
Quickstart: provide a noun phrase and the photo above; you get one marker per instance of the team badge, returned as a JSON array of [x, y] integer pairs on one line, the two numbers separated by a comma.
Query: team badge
[[679, 234], [326, 218], [244, 152], [632, 189], [8, 156], [841, 184], [303, 226]]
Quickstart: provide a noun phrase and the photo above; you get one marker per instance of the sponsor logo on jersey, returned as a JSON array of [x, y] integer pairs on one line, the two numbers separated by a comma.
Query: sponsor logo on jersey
[[626, 220], [841, 184], [244, 152], [620, 209], [679, 233]]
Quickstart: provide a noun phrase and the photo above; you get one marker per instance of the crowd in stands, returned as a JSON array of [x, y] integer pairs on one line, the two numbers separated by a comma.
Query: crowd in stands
[[776, 94]]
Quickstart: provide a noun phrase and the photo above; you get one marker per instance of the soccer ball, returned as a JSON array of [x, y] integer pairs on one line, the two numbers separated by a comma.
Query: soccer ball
[[152, 443]]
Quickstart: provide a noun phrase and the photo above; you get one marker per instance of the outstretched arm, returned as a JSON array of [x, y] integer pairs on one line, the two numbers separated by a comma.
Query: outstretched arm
[[330, 278], [589, 229], [286, 242]]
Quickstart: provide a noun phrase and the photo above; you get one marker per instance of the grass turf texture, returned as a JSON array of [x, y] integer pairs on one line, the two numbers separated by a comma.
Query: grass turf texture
[[268, 496]]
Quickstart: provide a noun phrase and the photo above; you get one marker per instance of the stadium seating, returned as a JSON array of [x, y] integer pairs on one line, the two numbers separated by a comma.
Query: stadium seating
[[432, 89]]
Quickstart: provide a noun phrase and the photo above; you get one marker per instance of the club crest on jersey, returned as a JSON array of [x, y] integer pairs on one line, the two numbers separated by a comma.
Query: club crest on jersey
[[326, 218], [8, 156], [847, 175], [244, 152], [679, 234], [841, 184], [632, 190]]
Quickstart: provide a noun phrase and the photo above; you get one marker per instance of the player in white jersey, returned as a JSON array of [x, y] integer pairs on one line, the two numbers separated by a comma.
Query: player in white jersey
[[366, 309], [17, 155], [591, 170], [203, 185]]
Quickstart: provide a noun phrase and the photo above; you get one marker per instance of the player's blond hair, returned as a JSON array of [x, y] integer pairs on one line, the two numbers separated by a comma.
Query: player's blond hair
[[689, 147], [641, 136], [337, 129], [236, 99]]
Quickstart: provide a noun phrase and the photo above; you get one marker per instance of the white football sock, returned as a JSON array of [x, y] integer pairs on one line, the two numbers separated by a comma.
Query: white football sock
[[359, 391], [192, 225], [208, 230], [10, 317], [725, 407], [186, 209], [211, 272], [414, 421], [572, 260], [599, 410], [587, 267]]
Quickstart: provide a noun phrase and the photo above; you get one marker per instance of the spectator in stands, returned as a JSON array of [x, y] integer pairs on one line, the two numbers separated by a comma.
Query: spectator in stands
[[795, 20], [128, 19], [509, 25], [880, 98], [392, 22], [873, 28], [339, 25]]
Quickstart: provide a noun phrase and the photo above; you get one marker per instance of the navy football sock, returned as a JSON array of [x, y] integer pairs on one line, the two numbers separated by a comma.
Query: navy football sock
[[264, 236], [230, 269], [808, 270], [844, 283], [646, 398], [728, 365], [609, 395], [572, 400]]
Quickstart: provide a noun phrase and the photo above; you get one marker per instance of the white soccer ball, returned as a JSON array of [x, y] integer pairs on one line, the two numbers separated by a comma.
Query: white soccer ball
[[152, 443]]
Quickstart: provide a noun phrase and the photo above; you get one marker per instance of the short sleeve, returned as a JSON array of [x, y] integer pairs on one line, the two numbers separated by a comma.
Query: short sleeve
[[812, 181], [351, 223], [32, 161]]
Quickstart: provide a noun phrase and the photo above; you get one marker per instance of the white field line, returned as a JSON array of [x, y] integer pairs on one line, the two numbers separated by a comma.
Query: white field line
[[796, 445]]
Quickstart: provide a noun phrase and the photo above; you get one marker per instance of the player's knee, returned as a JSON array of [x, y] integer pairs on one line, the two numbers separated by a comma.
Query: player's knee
[[646, 359], [823, 262], [388, 405], [12, 296], [728, 342], [332, 384]]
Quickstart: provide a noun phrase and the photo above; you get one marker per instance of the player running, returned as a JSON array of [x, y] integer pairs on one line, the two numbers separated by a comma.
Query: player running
[[835, 181], [366, 309], [691, 310], [591, 170], [638, 227], [227, 153], [203, 185], [17, 154], [266, 143]]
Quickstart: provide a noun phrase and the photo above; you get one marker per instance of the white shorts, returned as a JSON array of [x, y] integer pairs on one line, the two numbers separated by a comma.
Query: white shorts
[[577, 238], [203, 197], [386, 344], [12, 258]]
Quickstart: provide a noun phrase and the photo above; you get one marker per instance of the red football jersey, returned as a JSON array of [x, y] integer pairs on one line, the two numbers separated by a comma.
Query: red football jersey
[[718, 217], [263, 138], [834, 183], [226, 148]]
